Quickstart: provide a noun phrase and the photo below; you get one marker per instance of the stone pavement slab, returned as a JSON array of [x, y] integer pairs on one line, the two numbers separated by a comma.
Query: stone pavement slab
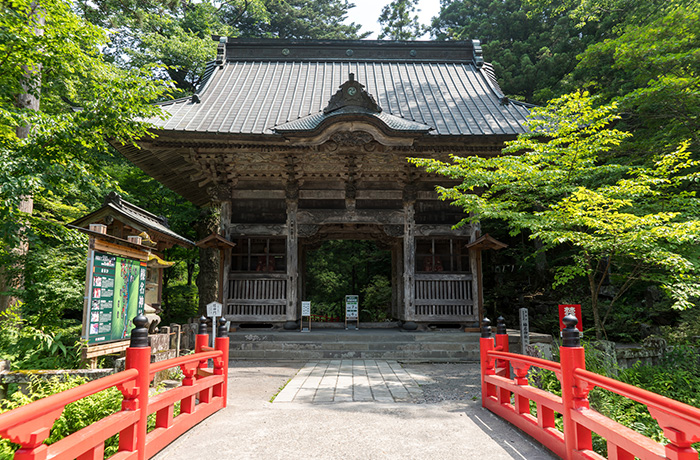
[[252, 427], [358, 380]]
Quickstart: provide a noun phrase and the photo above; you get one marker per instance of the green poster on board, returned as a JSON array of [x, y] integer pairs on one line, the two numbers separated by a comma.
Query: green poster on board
[[117, 295]]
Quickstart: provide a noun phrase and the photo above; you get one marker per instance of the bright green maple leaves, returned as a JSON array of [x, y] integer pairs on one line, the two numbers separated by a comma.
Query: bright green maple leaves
[[561, 184]]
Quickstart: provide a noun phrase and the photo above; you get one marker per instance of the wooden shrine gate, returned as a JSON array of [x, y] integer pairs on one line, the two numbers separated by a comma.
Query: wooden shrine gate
[[297, 141]]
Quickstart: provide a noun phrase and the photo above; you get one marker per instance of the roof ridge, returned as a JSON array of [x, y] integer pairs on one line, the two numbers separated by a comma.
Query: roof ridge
[[115, 199]]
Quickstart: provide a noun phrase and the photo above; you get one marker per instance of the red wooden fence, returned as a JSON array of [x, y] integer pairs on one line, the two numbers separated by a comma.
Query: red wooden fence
[[202, 393], [510, 399]]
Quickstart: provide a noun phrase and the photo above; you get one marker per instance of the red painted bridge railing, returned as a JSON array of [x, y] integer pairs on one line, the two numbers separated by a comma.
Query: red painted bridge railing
[[202, 393], [510, 399]]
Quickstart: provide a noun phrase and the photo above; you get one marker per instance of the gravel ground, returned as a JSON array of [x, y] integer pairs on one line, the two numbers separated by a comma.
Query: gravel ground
[[446, 381]]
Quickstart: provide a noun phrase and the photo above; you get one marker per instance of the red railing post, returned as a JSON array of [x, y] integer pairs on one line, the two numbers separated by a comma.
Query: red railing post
[[502, 344], [487, 364], [202, 342], [502, 365], [138, 356], [573, 356], [202, 338], [221, 364]]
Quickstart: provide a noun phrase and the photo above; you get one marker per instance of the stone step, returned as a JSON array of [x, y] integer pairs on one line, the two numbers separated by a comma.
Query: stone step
[[452, 346], [403, 356], [407, 346], [256, 335]]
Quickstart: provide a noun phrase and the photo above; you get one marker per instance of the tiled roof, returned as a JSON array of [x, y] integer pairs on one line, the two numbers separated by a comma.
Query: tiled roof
[[260, 85], [117, 205]]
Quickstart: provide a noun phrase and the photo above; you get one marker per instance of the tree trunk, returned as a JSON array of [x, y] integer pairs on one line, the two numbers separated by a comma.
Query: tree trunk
[[208, 277], [190, 271], [28, 100], [594, 302]]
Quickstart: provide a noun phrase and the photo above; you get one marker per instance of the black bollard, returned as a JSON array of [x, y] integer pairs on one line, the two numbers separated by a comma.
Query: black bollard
[[570, 335], [203, 326], [139, 334], [222, 330], [486, 328], [501, 325]]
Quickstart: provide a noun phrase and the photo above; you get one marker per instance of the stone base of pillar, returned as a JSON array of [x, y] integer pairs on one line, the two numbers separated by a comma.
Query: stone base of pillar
[[291, 325], [409, 326]]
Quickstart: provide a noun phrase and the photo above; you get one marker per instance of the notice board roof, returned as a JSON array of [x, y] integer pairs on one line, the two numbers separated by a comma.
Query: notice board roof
[[116, 207]]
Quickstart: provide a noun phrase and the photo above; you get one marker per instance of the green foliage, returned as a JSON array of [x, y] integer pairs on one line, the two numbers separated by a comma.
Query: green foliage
[[181, 304], [531, 55], [377, 299], [399, 21], [67, 70], [302, 19], [339, 268], [651, 70], [175, 35], [28, 347], [561, 186]]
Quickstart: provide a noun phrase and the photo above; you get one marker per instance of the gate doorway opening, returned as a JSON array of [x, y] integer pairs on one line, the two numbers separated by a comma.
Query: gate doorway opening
[[341, 267]]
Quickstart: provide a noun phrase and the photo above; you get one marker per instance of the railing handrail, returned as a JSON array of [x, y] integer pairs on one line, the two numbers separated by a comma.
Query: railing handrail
[[640, 395], [56, 401], [531, 360], [199, 396], [512, 399], [187, 359]]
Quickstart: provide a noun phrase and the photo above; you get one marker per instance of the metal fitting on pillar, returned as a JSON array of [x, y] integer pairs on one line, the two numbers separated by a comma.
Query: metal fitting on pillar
[[139, 335], [570, 335], [486, 328], [222, 331], [501, 325], [203, 326]]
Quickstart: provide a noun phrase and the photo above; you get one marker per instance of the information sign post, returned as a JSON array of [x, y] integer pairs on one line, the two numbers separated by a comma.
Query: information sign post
[[116, 289], [214, 309], [305, 311], [352, 310], [524, 330]]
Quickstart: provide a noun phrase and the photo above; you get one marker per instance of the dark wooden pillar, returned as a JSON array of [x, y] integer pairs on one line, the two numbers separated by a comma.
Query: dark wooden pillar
[[409, 262], [292, 261]]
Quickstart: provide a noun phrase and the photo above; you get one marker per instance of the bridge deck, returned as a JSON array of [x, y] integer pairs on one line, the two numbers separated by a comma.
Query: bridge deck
[[413, 411]]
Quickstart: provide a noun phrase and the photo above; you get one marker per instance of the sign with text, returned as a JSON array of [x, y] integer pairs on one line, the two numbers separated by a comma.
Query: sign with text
[[575, 310], [352, 304], [306, 308], [116, 295], [214, 309], [524, 329]]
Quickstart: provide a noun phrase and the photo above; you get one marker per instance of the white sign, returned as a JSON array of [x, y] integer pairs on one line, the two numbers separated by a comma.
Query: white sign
[[524, 329], [352, 304], [214, 309], [306, 308]]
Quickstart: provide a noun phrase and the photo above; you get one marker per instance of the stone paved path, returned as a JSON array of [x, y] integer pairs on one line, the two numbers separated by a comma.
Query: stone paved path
[[445, 423], [331, 381]]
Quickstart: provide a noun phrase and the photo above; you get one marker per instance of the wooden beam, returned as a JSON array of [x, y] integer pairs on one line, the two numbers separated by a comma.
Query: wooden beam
[[343, 216], [380, 194], [258, 194], [322, 194]]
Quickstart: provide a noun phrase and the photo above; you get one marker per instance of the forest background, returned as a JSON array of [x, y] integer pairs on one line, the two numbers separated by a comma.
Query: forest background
[[629, 68]]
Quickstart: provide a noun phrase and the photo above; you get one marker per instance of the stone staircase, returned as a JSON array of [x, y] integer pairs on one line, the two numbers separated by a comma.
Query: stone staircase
[[393, 344]]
